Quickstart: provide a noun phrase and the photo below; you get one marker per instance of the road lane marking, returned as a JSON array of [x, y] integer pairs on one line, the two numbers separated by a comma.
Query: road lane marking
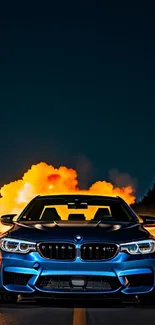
[[79, 316]]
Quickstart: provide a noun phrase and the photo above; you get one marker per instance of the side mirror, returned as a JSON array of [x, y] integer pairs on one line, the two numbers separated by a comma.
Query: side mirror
[[148, 220], [7, 219]]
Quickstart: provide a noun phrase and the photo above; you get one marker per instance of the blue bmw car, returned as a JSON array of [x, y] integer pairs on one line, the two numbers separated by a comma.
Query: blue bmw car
[[77, 247]]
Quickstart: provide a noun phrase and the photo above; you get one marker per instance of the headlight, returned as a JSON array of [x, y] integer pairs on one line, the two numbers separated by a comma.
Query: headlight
[[16, 246], [139, 247]]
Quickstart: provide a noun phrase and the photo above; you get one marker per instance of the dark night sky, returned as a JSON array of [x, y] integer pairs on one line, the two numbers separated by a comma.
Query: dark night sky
[[77, 79]]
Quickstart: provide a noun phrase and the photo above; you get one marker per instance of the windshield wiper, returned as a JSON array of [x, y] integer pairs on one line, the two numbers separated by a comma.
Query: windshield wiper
[[98, 222]]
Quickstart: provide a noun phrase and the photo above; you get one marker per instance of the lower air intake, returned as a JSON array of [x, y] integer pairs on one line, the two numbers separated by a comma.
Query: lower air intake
[[139, 280], [15, 278], [70, 283]]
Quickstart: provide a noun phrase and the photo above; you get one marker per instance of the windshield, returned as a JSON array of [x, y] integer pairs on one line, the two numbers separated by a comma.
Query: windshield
[[71, 209]]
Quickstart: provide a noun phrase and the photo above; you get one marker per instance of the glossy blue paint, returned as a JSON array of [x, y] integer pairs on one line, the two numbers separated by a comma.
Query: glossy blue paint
[[120, 266]]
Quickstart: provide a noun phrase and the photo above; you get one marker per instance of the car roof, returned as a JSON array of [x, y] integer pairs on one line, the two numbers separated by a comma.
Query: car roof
[[78, 195]]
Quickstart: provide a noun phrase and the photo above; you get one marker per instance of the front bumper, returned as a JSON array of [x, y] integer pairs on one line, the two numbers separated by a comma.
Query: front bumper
[[32, 274]]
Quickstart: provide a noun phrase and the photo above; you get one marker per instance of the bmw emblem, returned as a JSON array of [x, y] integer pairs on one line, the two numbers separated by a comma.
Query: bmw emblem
[[78, 238]]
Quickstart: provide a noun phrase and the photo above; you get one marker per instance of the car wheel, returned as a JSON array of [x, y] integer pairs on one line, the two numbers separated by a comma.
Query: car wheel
[[8, 298], [147, 300]]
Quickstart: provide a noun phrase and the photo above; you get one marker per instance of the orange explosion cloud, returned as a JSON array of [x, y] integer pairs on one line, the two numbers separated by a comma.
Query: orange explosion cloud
[[45, 179]]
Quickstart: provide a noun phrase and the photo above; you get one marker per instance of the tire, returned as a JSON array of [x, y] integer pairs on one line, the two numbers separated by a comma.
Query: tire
[[8, 298]]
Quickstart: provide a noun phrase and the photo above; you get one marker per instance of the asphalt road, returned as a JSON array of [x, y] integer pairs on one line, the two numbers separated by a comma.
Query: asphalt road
[[30, 315]]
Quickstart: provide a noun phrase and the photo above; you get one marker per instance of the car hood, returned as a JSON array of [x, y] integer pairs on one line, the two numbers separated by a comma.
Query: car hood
[[118, 233]]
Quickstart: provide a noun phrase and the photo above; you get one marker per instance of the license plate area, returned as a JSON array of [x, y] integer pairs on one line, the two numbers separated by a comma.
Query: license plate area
[[78, 282]]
